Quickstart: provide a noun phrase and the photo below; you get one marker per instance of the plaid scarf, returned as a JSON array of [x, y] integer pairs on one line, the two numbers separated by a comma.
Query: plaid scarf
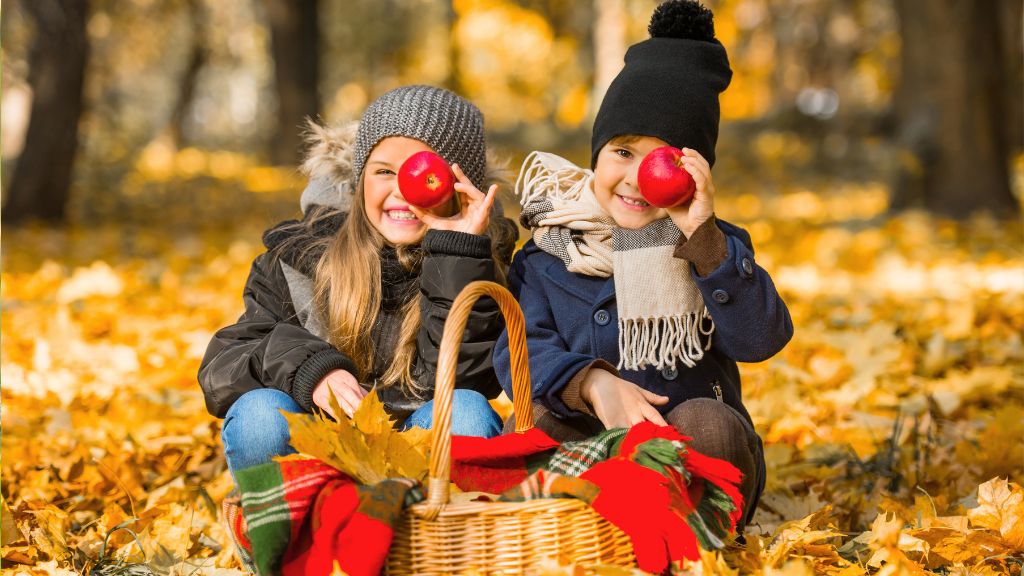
[[575, 458], [301, 516], [662, 316]]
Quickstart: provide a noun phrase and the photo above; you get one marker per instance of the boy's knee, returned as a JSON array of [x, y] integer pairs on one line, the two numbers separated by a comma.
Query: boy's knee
[[716, 428]]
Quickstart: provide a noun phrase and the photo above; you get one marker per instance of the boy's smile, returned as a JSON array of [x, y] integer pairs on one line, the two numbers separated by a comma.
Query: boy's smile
[[615, 184]]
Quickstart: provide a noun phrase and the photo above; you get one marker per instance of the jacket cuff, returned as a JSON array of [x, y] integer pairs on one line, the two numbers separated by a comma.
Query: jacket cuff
[[452, 243], [706, 249], [570, 395], [313, 370]]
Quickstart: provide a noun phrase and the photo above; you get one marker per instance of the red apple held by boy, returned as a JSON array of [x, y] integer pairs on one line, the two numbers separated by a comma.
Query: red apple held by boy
[[662, 179], [426, 180]]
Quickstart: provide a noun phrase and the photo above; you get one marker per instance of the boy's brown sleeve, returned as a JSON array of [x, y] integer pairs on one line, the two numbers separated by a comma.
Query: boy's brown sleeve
[[706, 249], [571, 393]]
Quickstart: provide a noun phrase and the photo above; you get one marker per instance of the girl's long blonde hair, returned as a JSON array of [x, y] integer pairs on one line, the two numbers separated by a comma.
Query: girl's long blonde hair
[[347, 293], [347, 284]]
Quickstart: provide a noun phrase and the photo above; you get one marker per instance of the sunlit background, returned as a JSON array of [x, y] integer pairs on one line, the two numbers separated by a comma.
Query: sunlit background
[[858, 138]]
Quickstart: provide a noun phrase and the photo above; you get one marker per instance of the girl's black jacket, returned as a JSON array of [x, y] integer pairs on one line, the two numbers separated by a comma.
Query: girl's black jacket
[[280, 342]]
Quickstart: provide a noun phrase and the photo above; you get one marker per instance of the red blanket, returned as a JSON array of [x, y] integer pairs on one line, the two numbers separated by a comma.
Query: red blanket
[[302, 516]]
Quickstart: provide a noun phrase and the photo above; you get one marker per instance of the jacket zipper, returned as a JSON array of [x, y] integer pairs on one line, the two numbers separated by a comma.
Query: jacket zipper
[[717, 389]]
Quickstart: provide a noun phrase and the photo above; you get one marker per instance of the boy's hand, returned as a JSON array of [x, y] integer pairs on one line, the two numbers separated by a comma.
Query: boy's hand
[[697, 211], [619, 403], [474, 210], [343, 386]]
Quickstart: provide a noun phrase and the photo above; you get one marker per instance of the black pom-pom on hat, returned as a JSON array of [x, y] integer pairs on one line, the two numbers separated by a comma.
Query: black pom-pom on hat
[[685, 19]]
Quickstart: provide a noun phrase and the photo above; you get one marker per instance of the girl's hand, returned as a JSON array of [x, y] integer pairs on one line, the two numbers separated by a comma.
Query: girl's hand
[[619, 403], [697, 211], [343, 386], [474, 208]]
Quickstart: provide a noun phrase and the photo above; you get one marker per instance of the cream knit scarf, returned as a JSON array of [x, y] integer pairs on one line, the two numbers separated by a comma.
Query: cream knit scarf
[[662, 316]]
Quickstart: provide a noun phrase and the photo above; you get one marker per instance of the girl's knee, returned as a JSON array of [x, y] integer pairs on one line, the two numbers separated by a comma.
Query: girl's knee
[[468, 399], [472, 415], [254, 430], [261, 404]]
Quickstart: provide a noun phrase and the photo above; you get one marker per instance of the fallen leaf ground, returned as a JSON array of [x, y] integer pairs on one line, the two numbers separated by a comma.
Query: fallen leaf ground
[[892, 422]]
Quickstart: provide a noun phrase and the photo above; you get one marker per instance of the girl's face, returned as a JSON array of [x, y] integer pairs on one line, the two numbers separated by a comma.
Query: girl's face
[[385, 207], [615, 181]]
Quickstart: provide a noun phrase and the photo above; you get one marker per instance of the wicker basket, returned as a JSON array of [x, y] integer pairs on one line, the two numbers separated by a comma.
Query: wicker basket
[[442, 537]]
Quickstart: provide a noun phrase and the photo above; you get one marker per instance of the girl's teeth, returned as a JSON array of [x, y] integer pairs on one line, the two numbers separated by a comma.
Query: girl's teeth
[[633, 202], [401, 215]]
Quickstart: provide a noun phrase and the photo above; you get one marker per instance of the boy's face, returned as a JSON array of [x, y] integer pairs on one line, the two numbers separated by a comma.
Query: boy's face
[[615, 181]]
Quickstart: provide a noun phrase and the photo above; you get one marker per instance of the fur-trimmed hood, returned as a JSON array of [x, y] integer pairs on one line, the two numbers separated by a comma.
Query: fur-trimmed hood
[[328, 165]]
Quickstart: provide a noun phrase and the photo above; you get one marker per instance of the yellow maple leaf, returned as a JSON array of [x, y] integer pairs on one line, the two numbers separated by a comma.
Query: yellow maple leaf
[[891, 543], [1001, 508], [813, 536], [366, 446]]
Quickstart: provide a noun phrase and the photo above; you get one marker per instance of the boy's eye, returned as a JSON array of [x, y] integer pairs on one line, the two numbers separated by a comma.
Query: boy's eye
[[622, 152]]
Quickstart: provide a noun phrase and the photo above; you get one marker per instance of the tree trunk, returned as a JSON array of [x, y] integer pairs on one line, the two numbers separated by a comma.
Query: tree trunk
[[1012, 46], [42, 177], [295, 46], [951, 108], [190, 77], [609, 45]]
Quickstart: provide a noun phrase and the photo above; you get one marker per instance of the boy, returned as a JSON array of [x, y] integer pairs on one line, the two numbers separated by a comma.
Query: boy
[[634, 312]]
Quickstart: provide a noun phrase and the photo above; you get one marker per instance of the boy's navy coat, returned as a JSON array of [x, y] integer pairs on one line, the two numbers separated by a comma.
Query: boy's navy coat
[[572, 320]]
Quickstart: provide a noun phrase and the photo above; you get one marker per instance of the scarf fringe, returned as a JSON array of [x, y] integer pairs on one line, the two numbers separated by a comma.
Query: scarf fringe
[[546, 175], [664, 341]]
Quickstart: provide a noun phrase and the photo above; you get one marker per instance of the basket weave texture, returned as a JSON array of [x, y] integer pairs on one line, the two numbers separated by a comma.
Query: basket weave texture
[[439, 536]]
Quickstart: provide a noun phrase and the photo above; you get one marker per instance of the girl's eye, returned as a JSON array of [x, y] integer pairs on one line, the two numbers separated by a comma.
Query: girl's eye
[[622, 152], [384, 172]]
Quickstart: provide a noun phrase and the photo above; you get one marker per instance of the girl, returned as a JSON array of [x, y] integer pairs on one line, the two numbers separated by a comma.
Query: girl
[[634, 312], [355, 295]]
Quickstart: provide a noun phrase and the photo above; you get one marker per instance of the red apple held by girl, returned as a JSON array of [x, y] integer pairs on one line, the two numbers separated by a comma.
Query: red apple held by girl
[[426, 180], [662, 179]]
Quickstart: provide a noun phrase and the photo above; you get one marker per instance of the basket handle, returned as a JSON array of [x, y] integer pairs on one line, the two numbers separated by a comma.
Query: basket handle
[[448, 357]]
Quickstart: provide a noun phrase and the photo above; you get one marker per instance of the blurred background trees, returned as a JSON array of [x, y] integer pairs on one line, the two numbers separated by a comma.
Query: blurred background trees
[[104, 100], [56, 74]]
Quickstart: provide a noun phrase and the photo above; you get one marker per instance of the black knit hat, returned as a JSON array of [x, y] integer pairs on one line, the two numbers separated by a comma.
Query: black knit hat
[[670, 83]]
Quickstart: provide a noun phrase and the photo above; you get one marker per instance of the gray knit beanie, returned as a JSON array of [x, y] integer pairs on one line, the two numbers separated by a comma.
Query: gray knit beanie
[[446, 122]]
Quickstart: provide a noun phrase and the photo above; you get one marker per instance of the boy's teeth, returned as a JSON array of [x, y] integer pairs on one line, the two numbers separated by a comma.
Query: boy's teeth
[[634, 202], [401, 215]]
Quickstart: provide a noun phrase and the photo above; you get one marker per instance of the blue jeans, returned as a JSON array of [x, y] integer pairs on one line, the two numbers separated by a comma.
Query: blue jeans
[[472, 415], [254, 430]]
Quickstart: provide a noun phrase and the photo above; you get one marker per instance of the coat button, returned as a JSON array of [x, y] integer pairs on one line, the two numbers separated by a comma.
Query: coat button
[[669, 373], [748, 267], [602, 317], [720, 296]]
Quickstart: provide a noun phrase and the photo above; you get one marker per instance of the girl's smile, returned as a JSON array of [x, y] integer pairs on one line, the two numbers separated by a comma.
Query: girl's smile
[[386, 208], [401, 216]]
